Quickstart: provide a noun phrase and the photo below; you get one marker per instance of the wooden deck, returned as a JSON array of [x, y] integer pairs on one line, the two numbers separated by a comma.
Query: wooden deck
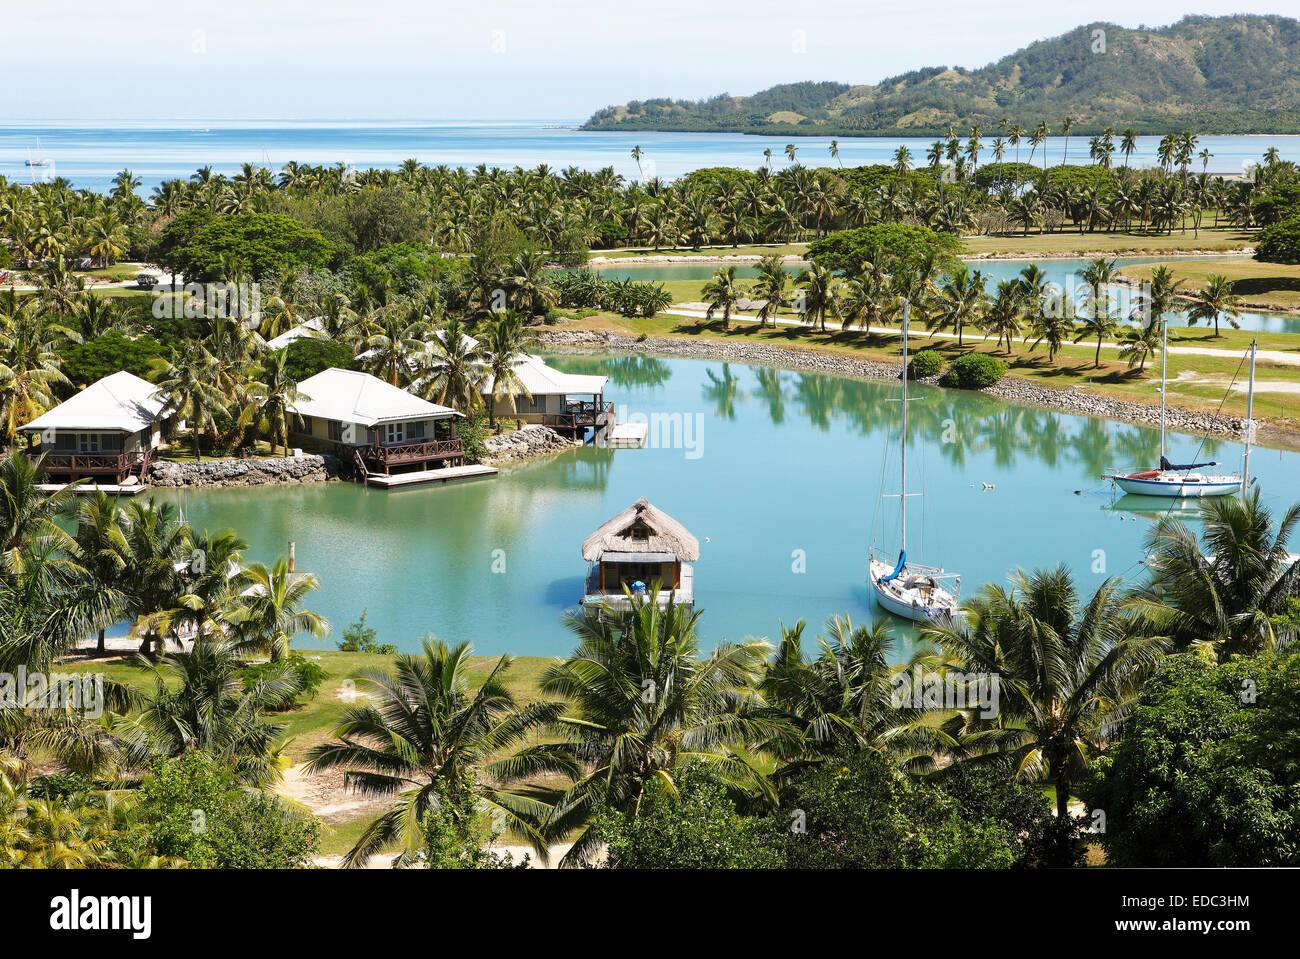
[[448, 474]]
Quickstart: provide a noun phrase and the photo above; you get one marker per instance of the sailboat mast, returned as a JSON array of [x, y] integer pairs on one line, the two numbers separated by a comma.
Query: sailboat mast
[[1164, 371], [902, 499], [1250, 420]]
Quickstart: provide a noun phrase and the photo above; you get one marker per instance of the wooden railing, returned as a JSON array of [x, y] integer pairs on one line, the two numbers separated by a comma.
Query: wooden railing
[[412, 452], [94, 462], [580, 414]]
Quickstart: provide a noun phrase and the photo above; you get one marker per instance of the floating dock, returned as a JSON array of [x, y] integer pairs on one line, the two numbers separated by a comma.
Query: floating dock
[[627, 435], [112, 489], [448, 474]]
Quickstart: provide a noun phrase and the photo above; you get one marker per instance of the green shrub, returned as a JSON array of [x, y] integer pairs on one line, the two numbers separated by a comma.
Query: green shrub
[[472, 431], [192, 808], [697, 827], [923, 364], [973, 371], [360, 638]]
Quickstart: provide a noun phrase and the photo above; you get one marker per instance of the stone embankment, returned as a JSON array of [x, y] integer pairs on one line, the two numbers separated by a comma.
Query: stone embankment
[[308, 468], [1011, 388], [524, 444]]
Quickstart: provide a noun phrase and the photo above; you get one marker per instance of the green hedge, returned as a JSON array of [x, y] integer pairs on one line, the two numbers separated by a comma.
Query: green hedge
[[974, 371]]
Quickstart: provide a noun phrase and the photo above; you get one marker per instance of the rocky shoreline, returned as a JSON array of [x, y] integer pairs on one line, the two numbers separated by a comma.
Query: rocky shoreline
[[1015, 389], [528, 443], [309, 468]]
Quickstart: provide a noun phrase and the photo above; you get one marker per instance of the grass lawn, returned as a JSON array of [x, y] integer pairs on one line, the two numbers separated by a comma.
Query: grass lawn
[[1266, 286], [1072, 241]]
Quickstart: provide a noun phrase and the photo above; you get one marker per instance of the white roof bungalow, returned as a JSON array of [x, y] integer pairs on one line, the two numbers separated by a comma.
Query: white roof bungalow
[[107, 432], [567, 402], [383, 429]]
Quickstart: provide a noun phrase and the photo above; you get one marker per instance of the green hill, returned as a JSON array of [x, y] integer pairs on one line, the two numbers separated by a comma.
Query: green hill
[[1237, 74]]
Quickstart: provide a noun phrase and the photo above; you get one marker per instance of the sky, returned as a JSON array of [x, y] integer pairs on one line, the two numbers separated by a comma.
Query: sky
[[494, 60]]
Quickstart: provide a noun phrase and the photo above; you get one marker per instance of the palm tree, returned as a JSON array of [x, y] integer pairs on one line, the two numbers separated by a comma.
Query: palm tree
[[1225, 595], [155, 548], [722, 293], [30, 364], [818, 295], [1067, 673], [645, 701], [637, 154], [188, 382], [210, 602], [1066, 126], [961, 300], [276, 393], [421, 736], [770, 287], [101, 544], [530, 283], [505, 345], [1003, 315], [200, 700], [271, 614], [453, 368], [1215, 299], [790, 151], [397, 345], [835, 152], [1100, 324], [845, 698], [1099, 274], [27, 514], [1128, 143]]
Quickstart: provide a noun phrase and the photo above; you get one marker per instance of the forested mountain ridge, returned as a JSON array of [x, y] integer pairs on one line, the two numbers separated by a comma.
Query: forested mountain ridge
[[1234, 74]]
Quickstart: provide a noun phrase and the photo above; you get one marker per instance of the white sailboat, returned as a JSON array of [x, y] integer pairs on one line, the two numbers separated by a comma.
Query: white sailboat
[[1178, 481], [907, 589], [38, 160]]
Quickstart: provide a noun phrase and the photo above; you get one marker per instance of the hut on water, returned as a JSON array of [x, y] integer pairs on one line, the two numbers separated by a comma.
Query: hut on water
[[638, 547]]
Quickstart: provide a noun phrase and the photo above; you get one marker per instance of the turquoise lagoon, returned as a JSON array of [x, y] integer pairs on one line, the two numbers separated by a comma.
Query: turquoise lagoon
[[780, 480]]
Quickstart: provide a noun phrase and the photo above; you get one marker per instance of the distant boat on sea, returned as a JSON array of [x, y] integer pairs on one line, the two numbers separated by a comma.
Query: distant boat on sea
[[37, 160]]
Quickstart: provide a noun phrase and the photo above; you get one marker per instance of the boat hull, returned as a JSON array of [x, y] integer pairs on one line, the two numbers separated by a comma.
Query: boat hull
[[1178, 488], [919, 606]]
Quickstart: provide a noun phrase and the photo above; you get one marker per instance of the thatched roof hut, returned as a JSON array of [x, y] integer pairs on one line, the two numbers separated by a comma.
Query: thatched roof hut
[[642, 529]]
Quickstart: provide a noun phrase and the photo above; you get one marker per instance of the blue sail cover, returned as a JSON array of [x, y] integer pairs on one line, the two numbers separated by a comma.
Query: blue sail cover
[[1170, 467], [902, 561]]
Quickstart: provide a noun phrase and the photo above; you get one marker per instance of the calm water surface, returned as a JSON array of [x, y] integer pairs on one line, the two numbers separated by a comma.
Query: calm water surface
[[90, 153], [779, 463]]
